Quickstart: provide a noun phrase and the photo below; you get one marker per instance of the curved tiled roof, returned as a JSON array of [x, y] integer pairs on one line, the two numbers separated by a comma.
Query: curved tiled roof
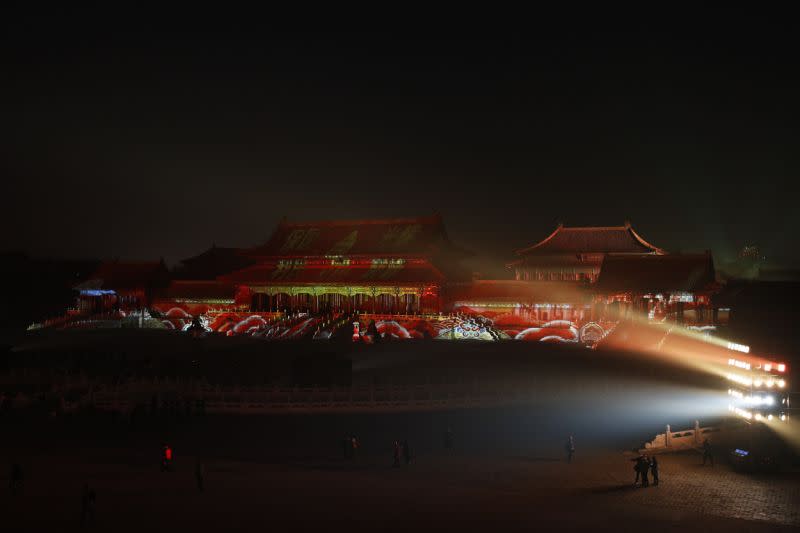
[[403, 236], [126, 275], [645, 273], [606, 239], [215, 261]]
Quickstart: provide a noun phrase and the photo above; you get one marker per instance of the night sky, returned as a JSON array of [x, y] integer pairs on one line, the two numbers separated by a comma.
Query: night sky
[[142, 136]]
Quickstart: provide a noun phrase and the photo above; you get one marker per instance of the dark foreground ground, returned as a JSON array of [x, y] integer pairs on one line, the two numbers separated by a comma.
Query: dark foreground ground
[[507, 472]]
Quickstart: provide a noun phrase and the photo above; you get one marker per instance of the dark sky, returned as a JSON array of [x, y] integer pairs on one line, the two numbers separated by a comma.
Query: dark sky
[[142, 136]]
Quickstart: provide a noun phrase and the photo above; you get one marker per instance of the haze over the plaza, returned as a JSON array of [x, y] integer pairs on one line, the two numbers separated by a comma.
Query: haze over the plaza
[[397, 270], [136, 139]]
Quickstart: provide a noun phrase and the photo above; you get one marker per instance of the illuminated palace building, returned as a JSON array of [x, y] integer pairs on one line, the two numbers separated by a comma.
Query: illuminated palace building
[[577, 254], [408, 278], [624, 273], [388, 266]]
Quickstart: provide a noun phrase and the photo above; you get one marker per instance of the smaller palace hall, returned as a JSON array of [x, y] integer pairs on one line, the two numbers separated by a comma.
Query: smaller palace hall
[[407, 277]]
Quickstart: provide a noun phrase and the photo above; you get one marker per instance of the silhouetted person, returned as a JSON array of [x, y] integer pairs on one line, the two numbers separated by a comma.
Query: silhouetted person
[[448, 439], [16, 479], [406, 452], [88, 501], [85, 504], [396, 455], [654, 469], [200, 474], [637, 467], [353, 446], [645, 466], [569, 447], [166, 459], [92, 504], [707, 453]]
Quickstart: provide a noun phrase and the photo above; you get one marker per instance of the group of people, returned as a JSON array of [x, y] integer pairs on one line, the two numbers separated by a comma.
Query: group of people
[[644, 468], [350, 446]]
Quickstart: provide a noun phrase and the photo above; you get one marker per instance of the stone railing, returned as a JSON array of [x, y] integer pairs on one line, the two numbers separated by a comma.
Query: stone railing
[[684, 439], [264, 400]]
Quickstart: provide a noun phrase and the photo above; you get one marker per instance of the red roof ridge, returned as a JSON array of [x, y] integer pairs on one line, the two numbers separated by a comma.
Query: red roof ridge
[[194, 281], [136, 262], [659, 257], [586, 228], [429, 219], [381, 255]]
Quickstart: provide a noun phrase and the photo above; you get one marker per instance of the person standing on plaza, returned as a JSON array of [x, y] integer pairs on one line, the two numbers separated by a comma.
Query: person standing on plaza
[[396, 455], [166, 458], [85, 504], [645, 466], [406, 453], [570, 448], [92, 505], [88, 502], [637, 467], [200, 474], [353, 447], [448, 439], [346, 448], [707, 455], [654, 470], [16, 479]]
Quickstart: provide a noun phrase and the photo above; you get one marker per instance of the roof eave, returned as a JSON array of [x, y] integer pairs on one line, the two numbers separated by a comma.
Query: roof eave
[[656, 250], [523, 251]]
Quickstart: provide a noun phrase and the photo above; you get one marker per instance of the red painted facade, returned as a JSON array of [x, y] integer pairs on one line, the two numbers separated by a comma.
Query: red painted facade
[[403, 268]]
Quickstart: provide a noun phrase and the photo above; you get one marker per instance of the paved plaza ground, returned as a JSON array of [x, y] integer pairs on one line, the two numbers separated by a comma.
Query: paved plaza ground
[[266, 485]]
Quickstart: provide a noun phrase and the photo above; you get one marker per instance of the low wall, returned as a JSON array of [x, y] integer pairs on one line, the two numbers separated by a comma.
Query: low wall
[[685, 439], [311, 400], [189, 397]]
